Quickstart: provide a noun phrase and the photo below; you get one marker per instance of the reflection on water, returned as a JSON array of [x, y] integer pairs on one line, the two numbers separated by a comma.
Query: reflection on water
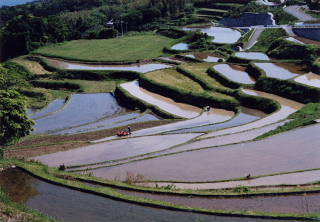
[[143, 68], [74, 206], [233, 74], [204, 56], [52, 107], [82, 109], [252, 55], [309, 79], [248, 19], [245, 116], [180, 46], [220, 35], [275, 70]]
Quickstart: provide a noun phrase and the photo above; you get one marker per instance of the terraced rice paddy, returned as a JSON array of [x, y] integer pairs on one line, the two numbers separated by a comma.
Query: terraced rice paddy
[[114, 150], [309, 79], [280, 70], [113, 122], [220, 35], [287, 107], [281, 153], [291, 39], [143, 68], [234, 73], [180, 46], [306, 177], [164, 103], [205, 56], [245, 116], [54, 106], [82, 109], [68, 205], [252, 55]]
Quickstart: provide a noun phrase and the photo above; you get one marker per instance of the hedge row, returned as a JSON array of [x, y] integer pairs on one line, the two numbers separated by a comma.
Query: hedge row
[[98, 74], [234, 59], [57, 85], [125, 99], [222, 79], [19, 69], [284, 49], [43, 63], [33, 94], [189, 97], [257, 102], [316, 66], [289, 89], [255, 71], [172, 33]]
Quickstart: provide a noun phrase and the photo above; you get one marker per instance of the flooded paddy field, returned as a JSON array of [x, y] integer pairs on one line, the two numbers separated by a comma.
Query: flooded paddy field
[[309, 79], [298, 178], [252, 55], [291, 39], [275, 204], [220, 35], [81, 109], [282, 153], [205, 56], [52, 107], [113, 150], [309, 33], [72, 206], [164, 103], [281, 70], [248, 19], [287, 107], [143, 68], [180, 46], [122, 120], [246, 115], [234, 73]]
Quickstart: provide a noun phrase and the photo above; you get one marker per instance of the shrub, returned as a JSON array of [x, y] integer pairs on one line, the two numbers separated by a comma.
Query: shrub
[[97, 74], [289, 89], [57, 85], [172, 33]]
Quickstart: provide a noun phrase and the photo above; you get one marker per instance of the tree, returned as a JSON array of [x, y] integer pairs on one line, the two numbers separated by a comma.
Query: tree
[[14, 123], [313, 4]]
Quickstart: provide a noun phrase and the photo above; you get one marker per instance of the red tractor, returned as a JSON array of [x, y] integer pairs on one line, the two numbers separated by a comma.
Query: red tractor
[[124, 133]]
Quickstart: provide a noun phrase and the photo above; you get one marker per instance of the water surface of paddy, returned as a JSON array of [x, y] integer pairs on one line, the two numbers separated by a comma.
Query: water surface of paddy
[[82, 109], [220, 35], [234, 74], [279, 71], [280, 153], [180, 46], [248, 19], [114, 150], [72, 206], [245, 116], [164, 103], [309, 79], [50, 108], [252, 55], [143, 68]]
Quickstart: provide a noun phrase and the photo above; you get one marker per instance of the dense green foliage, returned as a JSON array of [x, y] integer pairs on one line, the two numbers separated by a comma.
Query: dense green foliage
[[200, 99], [280, 16], [283, 49], [14, 121], [313, 4], [289, 89], [267, 37], [57, 85], [303, 117], [97, 75], [27, 27], [128, 48]]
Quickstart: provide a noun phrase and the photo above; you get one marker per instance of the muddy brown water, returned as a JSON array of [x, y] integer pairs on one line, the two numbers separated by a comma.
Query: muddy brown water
[[74, 206], [291, 151], [299, 204]]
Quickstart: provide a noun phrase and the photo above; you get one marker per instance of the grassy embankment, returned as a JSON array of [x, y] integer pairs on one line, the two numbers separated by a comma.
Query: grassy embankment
[[266, 38], [303, 117], [128, 48]]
